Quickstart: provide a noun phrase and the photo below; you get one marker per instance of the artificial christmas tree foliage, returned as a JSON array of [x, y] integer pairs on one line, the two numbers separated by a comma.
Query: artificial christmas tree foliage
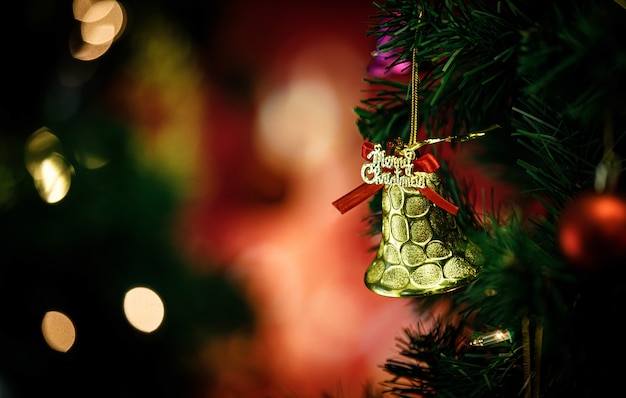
[[552, 76]]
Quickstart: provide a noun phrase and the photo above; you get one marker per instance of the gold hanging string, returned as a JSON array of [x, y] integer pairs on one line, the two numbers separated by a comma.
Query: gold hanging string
[[413, 144], [415, 82]]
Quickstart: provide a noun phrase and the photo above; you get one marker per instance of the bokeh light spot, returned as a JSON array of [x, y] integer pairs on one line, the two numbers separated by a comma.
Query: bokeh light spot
[[45, 162], [104, 22], [97, 33], [87, 52], [80, 8], [98, 10], [39, 146], [298, 123], [144, 309], [101, 23], [58, 331], [53, 178]]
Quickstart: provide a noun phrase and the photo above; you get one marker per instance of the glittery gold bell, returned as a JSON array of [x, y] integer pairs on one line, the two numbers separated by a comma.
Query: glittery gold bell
[[422, 250]]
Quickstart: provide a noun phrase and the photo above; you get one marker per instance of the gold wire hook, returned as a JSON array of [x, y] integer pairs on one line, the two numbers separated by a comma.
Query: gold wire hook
[[452, 138]]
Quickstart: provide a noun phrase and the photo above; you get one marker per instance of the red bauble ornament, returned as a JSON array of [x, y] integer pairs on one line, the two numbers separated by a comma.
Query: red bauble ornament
[[592, 231]]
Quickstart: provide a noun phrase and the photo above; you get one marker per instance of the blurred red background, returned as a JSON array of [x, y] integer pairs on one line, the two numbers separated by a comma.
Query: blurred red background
[[269, 142]]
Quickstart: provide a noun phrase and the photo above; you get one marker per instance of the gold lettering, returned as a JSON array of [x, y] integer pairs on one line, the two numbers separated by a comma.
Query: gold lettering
[[393, 170]]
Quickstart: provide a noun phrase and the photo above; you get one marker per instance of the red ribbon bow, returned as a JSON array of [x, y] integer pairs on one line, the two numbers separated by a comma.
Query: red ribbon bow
[[425, 163]]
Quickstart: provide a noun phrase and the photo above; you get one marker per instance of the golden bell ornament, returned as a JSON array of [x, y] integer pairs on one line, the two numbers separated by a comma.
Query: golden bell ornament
[[422, 251]]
